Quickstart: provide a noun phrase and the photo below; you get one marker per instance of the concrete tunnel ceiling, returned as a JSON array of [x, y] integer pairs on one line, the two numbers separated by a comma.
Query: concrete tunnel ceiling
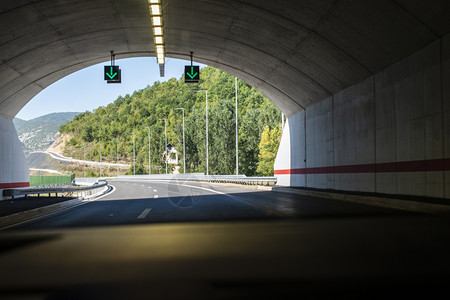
[[295, 52]]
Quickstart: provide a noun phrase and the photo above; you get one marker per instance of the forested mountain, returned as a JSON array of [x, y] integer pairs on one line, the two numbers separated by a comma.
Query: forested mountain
[[132, 113], [39, 133]]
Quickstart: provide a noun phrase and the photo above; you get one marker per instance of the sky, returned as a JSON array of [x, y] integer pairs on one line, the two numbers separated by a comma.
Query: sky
[[86, 89]]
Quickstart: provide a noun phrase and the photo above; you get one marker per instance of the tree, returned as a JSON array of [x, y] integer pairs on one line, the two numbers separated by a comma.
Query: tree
[[86, 134], [195, 136], [222, 138], [132, 112], [268, 148], [249, 138]]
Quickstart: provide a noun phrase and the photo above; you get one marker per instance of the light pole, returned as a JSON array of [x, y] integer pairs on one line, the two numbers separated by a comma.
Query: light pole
[[165, 139], [134, 154], [236, 113], [184, 149], [84, 162], [149, 168], [207, 158], [100, 159], [117, 143]]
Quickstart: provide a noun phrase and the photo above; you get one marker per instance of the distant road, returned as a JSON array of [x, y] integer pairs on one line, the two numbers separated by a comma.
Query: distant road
[[69, 159], [52, 162], [43, 161], [46, 170]]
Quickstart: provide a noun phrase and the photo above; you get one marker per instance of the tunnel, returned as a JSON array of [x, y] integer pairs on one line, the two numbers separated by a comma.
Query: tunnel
[[363, 83]]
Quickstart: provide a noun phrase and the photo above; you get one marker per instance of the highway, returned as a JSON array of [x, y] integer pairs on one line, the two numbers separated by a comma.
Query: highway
[[186, 240], [144, 201]]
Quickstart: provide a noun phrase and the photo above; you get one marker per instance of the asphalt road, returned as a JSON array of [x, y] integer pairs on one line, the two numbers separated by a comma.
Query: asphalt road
[[143, 201], [42, 160]]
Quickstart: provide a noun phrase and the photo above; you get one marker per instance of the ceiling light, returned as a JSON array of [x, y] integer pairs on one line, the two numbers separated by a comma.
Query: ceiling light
[[155, 9], [159, 49], [158, 40], [153, 1], [156, 20], [158, 30]]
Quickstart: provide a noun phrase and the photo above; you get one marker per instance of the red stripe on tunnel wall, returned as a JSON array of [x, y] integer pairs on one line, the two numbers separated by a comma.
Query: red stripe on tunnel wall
[[11, 185], [430, 165]]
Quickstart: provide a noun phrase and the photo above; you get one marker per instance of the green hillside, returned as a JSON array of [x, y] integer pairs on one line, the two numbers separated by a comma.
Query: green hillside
[[131, 113], [39, 133]]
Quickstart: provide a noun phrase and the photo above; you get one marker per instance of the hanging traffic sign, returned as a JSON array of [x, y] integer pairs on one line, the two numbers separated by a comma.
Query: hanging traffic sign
[[112, 74], [191, 74]]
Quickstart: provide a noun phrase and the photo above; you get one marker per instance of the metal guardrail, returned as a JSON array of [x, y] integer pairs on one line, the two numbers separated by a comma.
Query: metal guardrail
[[82, 191], [237, 179]]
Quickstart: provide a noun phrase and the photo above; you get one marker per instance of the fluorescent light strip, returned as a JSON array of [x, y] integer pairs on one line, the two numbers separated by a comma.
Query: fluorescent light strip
[[156, 15]]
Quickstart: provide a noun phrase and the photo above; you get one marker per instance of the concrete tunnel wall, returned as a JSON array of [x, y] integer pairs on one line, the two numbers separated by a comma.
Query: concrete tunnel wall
[[388, 134], [14, 171]]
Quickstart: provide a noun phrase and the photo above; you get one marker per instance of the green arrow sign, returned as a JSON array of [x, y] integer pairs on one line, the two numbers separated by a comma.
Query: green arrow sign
[[191, 74], [112, 74]]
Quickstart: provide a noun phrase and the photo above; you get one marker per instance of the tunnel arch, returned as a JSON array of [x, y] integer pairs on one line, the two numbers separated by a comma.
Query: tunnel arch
[[295, 52]]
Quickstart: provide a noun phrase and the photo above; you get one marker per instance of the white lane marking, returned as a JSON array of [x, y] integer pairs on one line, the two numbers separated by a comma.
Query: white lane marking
[[149, 187], [195, 187], [113, 189], [144, 213], [142, 185], [206, 189], [232, 197], [156, 196]]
